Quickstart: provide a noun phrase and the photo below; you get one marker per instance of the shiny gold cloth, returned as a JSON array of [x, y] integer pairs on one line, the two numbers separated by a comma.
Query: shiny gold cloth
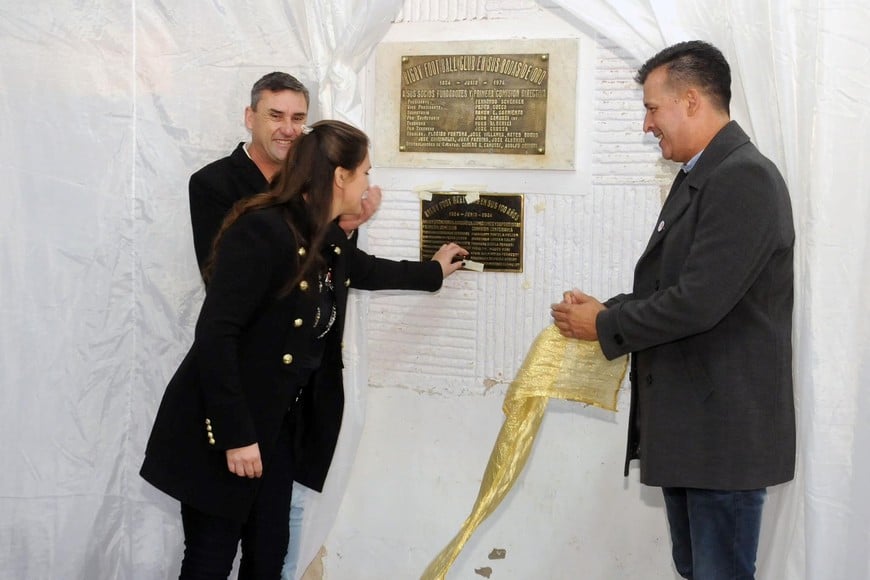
[[555, 367]]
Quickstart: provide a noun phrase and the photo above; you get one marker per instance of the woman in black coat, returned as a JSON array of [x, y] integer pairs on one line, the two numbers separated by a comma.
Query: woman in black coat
[[257, 401]]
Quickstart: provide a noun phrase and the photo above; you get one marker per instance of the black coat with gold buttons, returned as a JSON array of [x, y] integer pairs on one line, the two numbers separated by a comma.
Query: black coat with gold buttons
[[243, 371]]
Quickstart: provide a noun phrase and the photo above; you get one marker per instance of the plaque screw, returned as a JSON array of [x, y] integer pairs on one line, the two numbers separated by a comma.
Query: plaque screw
[[401, 147], [540, 150], [545, 56], [404, 59]]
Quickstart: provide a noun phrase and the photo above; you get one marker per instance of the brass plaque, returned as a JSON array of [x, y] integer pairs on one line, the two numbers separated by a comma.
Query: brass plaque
[[474, 103], [489, 226]]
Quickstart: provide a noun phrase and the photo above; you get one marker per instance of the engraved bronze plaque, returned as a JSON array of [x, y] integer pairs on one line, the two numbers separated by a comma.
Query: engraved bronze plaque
[[489, 227], [474, 103]]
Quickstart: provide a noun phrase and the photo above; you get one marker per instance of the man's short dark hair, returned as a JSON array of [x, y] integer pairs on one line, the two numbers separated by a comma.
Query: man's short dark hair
[[694, 63], [277, 82]]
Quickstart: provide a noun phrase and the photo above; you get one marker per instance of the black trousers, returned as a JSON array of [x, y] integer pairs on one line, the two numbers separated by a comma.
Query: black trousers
[[211, 542]]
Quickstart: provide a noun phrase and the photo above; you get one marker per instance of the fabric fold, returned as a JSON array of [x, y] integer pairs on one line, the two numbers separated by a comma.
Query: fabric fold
[[555, 367]]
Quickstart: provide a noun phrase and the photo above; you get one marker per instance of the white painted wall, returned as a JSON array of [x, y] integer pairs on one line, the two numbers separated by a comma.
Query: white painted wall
[[439, 365]]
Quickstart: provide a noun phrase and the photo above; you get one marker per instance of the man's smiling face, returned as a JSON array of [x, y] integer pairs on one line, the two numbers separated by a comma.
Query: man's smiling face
[[666, 116], [275, 124]]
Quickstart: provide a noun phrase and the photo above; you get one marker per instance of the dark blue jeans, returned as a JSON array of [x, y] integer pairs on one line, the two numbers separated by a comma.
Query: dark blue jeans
[[714, 533]]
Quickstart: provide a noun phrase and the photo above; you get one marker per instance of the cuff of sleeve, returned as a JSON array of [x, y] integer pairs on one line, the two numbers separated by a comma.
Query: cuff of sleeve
[[228, 427], [435, 279], [609, 335]]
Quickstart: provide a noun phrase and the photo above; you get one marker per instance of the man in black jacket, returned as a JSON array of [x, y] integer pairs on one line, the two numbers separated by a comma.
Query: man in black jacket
[[708, 322], [276, 117]]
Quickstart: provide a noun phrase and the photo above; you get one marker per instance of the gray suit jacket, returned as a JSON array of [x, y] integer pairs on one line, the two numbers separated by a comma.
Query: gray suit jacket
[[708, 326]]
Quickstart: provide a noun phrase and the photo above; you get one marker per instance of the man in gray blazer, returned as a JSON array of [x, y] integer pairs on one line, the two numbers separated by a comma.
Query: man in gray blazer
[[708, 322]]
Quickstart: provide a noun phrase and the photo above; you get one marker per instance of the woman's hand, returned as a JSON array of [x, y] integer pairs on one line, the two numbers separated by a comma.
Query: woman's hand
[[447, 256], [245, 461]]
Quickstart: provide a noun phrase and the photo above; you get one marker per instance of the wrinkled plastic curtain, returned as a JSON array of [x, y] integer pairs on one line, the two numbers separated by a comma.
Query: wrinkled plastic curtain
[[802, 91], [340, 36], [106, 108]]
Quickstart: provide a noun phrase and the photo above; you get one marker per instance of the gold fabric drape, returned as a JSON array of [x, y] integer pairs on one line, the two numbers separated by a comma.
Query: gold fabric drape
[[555, 367]]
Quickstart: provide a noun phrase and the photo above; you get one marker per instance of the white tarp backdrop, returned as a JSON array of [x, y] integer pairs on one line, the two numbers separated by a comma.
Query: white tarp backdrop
[[107, 106], [802, 90]]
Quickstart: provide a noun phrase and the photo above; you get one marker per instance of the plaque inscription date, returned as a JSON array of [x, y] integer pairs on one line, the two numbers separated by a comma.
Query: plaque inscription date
[[489, 226]]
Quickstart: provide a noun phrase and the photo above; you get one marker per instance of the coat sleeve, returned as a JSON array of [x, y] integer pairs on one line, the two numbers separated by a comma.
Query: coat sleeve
[[619, 298], [209, 205], [368, 272], [250, 266], [737, 230]]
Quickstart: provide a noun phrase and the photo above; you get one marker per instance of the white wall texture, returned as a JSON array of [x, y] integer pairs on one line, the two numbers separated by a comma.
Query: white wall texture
[[439, 366]]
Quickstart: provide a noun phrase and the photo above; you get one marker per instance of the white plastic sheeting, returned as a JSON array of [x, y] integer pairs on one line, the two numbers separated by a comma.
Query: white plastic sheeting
[[106, 107], [802, 91]]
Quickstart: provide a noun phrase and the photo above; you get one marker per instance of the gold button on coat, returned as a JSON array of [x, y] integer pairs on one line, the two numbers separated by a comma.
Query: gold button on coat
[[301, 251], [337, 250], [287, 359], [303, 285], [297, 323], [347, 283]]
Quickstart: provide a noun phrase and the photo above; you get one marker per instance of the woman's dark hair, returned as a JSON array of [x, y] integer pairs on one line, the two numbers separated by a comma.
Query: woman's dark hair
[[303, 189]]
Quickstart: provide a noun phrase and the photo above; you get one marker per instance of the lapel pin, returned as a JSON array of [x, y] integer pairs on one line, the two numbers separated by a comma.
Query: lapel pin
[[661, 225]]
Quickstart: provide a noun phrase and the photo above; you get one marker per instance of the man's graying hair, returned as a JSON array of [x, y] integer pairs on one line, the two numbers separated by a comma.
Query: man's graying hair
[[694, 63], [277, 82]]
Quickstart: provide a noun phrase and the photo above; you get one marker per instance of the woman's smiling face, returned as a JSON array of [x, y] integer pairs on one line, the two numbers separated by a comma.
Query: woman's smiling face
[[350, 185]]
